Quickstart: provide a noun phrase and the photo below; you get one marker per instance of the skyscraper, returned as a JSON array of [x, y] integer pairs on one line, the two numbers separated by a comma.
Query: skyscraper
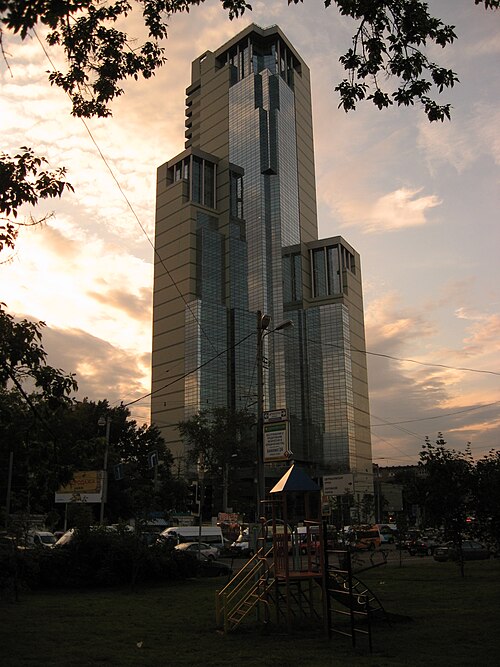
[[236, 238]]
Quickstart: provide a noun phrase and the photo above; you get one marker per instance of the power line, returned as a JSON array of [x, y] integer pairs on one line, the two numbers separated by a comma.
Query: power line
[[388, 356], [124, 195], [447, 414], [182, 377], [366, 352]]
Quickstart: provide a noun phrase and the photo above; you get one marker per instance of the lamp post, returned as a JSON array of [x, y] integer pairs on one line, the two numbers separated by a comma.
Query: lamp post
[[263, 322], [104, 421]]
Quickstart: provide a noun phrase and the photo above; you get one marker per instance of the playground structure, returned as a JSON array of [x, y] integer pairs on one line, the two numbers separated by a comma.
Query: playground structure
[[299, 579]]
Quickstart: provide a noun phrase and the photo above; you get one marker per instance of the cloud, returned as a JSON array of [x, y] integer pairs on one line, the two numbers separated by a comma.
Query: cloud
[[390, 325], [61, 279], [103, 371], [398, 209], [462, 142], [136, 306], [483, 330]]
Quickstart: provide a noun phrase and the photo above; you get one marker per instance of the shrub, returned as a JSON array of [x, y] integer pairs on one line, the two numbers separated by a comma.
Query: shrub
[[100, 558]]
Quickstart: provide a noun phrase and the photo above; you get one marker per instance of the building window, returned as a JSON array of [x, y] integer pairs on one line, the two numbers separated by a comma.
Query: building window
[[179, 172], [254, 56], [319, 272], [334, 274], [209, 184], [292, 278], [236, 194], [197, 182], [328, 263], [347, 260]]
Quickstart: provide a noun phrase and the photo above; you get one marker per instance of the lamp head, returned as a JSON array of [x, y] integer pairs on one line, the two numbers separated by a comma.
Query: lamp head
[[284, 325], [265, 321]]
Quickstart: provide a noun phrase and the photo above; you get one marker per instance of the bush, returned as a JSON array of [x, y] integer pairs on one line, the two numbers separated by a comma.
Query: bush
[[99, 558]]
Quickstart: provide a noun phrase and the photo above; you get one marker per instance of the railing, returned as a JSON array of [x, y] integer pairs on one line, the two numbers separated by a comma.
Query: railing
[[246, 589]]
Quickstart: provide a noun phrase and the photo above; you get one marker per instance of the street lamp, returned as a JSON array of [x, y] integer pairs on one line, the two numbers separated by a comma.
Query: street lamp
[[263, 322], [104, 421]]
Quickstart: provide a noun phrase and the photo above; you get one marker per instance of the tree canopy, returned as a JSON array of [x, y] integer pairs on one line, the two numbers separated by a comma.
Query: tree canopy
[[388, 49], [23, 360], [220, 442], [389, 42], [50, 447], [22, 181]]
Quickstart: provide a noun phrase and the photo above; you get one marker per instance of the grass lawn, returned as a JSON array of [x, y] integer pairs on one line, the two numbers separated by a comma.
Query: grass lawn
[[454, 621]]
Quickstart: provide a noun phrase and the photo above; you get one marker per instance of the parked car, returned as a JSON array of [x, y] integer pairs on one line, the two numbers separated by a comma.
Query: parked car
[[199, 549], [470, 551], [207, 567], [408, 538], [423, 546], [363, 538]]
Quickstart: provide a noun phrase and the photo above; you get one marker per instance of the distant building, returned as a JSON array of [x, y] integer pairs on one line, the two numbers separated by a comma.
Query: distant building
[[237, 238]]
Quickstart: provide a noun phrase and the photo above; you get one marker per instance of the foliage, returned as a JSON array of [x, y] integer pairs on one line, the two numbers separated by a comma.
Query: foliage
[[221, 441], [51, 436], [99, 56], [455, 493], [449, 482], [389, 41], [101, 558], [23, 359], [49, 448], [26, 411], [22, 182], [486, 495], [217, 435]]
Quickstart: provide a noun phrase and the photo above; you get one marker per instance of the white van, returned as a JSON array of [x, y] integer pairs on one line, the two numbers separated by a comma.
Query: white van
[[211, 535]]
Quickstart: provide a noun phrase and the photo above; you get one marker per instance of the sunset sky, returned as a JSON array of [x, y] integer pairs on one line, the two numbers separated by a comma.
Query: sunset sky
[[418, 201]]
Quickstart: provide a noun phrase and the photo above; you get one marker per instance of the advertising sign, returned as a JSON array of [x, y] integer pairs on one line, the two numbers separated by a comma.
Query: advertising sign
[[85, 487]]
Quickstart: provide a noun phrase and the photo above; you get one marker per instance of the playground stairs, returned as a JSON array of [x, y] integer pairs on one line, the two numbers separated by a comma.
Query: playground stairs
[[248, 591]]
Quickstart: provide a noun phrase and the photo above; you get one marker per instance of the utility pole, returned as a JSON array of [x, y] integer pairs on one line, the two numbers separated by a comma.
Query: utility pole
[[9, 489], [263, 322], [104, 421]]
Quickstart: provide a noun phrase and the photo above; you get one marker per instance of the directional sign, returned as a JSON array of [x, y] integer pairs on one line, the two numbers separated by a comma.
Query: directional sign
[[276, 447], [338, 485], [275, 415]]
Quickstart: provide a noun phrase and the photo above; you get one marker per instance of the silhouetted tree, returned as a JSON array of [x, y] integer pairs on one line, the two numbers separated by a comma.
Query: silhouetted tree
[[222, 441], [389, 42], [486, 494]]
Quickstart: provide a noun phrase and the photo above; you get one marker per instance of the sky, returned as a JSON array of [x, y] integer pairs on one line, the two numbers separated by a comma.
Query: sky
[[418, 201]]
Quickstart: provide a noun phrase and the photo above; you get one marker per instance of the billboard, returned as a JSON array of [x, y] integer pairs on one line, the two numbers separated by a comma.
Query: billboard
[[85, 487]]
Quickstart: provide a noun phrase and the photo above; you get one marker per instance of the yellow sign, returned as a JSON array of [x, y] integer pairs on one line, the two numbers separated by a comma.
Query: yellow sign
[[85, 487], [83, 482]]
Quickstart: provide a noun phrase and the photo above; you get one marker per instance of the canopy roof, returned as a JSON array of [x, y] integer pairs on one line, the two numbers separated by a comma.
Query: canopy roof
[[295, 479]]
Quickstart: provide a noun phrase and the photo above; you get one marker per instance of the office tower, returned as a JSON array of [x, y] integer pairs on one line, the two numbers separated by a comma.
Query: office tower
[[236, 238]]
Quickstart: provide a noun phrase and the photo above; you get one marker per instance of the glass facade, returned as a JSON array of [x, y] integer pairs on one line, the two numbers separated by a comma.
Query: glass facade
[[254, 253], [262, 141]]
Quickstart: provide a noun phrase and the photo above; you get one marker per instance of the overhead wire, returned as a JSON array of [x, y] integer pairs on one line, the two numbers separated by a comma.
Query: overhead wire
[[127, 201], [188, 305]]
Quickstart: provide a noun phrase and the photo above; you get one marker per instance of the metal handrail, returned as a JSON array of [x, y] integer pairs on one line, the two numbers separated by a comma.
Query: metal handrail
[[238, 587]]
